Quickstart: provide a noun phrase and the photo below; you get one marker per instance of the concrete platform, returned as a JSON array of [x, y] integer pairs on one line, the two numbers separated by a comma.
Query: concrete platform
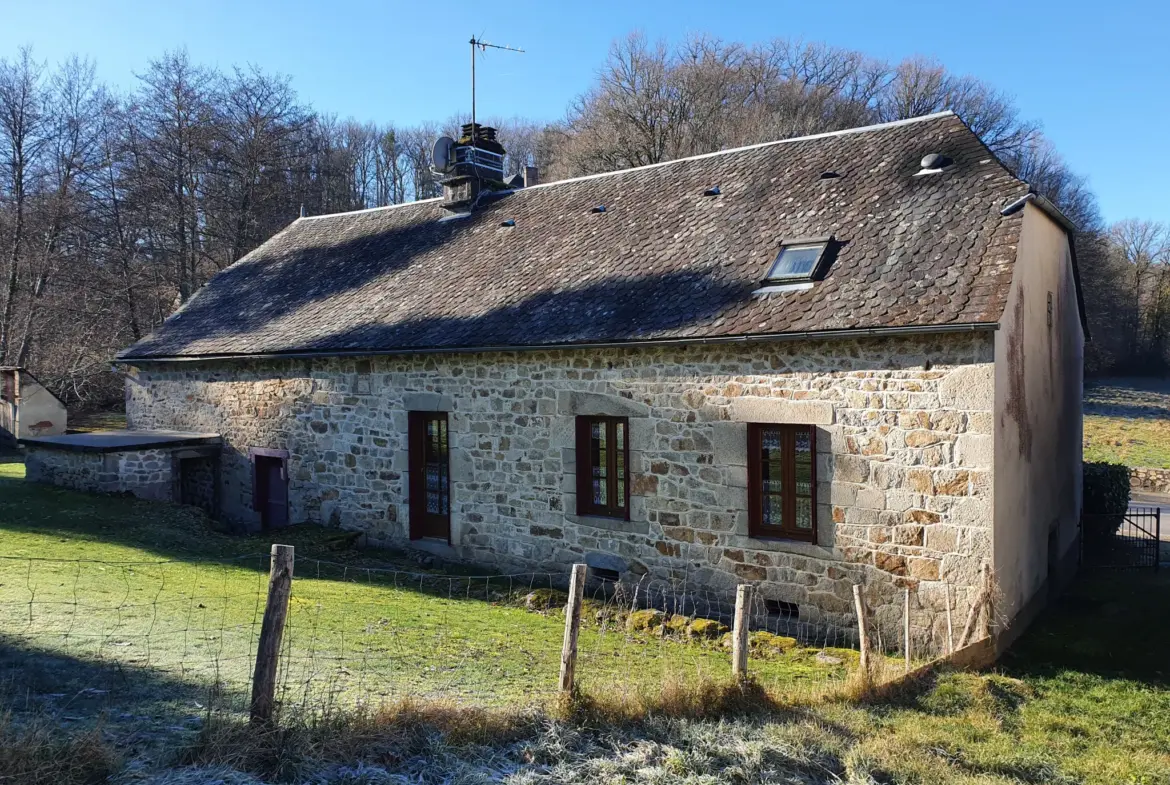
[[122, 441]]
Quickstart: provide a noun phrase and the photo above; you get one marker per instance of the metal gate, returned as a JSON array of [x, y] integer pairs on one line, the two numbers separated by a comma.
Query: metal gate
[[1134, 541]]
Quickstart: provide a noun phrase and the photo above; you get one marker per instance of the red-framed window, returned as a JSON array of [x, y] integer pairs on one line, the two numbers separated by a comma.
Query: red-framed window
[[430, 475], [603, 466], [782, 481]]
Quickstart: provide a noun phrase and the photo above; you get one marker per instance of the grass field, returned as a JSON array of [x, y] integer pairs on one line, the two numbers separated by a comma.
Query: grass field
[[1082, 698], [1128, 421], [127, 584]]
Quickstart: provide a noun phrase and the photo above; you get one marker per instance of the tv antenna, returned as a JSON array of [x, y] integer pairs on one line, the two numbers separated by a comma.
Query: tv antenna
[[483, 47]]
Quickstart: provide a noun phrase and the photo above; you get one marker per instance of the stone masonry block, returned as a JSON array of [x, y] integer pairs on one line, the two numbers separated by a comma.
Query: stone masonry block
[[729, 440], [781, 410]]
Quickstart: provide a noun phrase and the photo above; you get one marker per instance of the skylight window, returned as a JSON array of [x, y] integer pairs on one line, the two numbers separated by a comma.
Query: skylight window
[[798, 261]]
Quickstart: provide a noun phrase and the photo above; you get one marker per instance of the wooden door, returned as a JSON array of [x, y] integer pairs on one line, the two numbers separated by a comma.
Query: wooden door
[[271, 492], [430, 476]]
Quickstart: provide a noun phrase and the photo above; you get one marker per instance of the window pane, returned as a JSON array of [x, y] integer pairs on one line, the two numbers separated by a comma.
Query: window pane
[[795, 261], [620, 456], [772, 482], [803, 459], [803, 513], [599, 463], [773, 509], [772, 463], [436, 470]]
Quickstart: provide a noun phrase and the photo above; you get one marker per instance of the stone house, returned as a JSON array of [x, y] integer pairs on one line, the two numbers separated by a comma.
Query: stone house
[[847, 358]]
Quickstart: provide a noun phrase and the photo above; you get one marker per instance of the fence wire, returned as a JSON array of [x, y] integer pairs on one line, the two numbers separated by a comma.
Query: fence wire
[[108, 623], [366, 635], [362, 636]]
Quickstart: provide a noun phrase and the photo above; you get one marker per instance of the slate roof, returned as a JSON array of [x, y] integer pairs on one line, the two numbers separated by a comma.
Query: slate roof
[[662, 262]]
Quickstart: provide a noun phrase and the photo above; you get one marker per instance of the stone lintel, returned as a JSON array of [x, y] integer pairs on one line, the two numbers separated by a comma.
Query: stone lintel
[[781, 410], [427, 402], [575, 402]]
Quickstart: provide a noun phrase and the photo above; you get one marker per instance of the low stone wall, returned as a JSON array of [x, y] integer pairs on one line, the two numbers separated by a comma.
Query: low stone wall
[[1153, 480], [147, 474]]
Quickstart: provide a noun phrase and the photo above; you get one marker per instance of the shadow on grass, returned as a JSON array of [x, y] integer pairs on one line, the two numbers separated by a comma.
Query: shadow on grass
[[1110, 623], [1131, 398], [45, 522], [76, 691]]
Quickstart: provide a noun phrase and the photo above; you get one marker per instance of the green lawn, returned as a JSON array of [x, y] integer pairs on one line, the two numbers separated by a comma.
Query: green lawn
[[1082, 698], [1128, 421], [113, 583]]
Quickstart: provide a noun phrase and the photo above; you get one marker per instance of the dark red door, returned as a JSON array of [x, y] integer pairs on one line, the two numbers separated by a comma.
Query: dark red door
[[271, 492], [430, 480]]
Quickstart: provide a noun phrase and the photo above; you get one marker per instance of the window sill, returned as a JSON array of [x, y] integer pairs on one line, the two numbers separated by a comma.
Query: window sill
[[782, 539], [609, 524], [782, 545]]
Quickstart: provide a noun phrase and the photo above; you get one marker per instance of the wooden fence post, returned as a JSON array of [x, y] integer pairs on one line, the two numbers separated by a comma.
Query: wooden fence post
[[271, 631], [906, 629], [988, 601], [983, 598], [739, 634], [950, 629], [862, 629], [572, 628]]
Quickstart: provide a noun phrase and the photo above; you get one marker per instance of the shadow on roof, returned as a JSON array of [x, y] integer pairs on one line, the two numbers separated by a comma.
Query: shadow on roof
[[245, 297], [610, 310]]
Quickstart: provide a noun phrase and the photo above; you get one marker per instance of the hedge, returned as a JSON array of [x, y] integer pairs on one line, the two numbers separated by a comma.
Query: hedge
[[1106, 498]]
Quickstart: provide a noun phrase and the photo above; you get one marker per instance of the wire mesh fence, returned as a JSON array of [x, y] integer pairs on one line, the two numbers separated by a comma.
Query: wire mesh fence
[[195, 623], [364, 635]]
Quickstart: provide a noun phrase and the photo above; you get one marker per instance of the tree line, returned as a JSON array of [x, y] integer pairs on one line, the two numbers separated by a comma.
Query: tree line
[[116, 207]]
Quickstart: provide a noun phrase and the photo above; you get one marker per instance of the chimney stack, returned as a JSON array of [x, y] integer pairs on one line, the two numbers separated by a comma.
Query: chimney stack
[[478, 167], [531, 176]]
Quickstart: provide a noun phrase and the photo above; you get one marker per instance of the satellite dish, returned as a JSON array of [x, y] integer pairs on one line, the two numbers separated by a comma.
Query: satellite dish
[[443, 154]]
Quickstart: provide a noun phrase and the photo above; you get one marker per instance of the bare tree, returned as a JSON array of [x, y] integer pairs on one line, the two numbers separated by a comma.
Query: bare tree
[[24, 133]]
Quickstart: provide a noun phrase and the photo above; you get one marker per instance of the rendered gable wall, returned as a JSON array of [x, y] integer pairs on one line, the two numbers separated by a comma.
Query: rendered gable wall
[[1038, 386], [38, 412]]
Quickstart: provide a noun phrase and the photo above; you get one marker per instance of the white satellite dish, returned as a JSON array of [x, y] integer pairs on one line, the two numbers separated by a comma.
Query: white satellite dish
[[443, 154]]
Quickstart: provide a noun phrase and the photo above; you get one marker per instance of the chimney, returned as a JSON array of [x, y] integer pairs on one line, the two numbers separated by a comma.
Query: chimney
[[478, 167], [531, 176]]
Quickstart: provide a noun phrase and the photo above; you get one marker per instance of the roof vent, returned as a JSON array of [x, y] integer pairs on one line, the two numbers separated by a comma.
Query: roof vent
[[830, 175], [712, 191], [598, 209], [934, 163], [508, 222]]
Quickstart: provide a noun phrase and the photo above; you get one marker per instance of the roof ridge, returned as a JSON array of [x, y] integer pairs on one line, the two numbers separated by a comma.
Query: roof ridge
[[729, 151], [369, 209], [823, 135]]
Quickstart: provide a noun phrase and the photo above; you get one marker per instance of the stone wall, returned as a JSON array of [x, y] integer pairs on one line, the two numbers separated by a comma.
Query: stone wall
[[197, 483], [904, 456], [145, 473], [1148, 479], [80, 471]]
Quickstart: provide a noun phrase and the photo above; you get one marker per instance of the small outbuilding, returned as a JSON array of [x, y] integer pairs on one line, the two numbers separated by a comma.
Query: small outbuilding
[[161, 465], [27, 407]]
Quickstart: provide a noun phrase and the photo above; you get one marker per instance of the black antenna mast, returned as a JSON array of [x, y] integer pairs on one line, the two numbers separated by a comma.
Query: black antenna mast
[[483, 47]]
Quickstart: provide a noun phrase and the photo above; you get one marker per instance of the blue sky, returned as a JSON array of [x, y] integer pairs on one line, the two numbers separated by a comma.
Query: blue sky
[[1096, 75]]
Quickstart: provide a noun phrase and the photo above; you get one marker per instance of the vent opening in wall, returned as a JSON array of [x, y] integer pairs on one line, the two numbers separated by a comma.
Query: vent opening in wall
[[785, 610], [607, 576]]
